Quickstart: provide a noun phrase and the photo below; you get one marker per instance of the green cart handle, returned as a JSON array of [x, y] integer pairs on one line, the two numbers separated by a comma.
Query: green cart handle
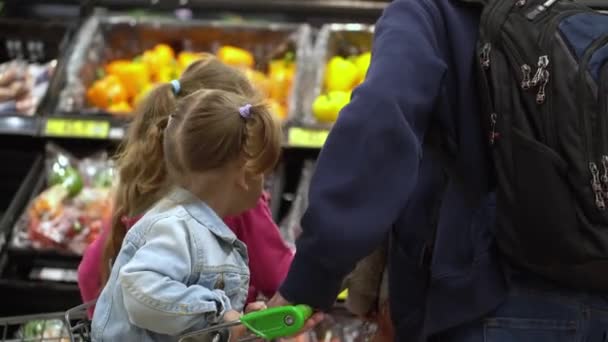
[[277, 322]]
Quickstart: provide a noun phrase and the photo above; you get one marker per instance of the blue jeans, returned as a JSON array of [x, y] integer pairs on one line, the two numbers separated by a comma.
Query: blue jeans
[[537, 312]]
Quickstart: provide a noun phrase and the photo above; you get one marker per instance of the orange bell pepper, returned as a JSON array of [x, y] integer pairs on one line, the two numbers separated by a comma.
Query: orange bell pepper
[[277, 109], [114, 66], [106, 91], [120, 108], [259, 81], [235, 56]]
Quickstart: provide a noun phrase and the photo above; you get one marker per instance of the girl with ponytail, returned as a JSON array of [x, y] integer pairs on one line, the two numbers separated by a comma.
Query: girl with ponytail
[[144, 179]]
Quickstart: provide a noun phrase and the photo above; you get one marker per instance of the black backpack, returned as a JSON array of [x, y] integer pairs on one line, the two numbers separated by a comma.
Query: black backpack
[[543, 74]]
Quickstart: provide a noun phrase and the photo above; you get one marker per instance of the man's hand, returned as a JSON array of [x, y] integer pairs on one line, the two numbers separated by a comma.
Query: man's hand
[[255, 306], [315, 319]]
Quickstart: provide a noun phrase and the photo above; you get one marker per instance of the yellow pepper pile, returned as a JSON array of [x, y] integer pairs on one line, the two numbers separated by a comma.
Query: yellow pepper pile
[[275, 85], [342, 75], [124, 83]]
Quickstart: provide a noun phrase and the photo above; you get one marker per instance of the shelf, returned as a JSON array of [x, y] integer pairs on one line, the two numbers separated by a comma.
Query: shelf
[[108, 128], [83, 127], [323, 7], [300, 137]]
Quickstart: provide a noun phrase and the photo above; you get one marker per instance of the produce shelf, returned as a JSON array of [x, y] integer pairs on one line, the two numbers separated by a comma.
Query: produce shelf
[[83, 127], [30, 48], [14, 124]]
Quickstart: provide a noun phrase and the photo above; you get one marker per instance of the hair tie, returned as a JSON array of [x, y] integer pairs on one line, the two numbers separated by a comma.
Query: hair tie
[[176, 86], [245, 111]]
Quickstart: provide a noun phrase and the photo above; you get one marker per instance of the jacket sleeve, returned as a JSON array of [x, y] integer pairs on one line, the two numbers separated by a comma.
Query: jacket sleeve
[[156, 296], [369, 164]]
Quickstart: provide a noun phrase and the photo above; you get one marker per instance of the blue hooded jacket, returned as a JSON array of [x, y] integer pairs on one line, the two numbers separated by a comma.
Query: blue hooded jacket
[[374, 177]]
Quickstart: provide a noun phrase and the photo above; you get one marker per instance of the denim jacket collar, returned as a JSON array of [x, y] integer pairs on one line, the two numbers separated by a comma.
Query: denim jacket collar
[[202, 213]]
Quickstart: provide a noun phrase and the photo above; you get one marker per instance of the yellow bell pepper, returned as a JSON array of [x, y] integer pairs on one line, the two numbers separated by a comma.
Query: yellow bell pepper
[[362, 62], [341, 74], [165, 52], [327, 106], [133, 75], [167, 73], [161, 56], [235, 56]]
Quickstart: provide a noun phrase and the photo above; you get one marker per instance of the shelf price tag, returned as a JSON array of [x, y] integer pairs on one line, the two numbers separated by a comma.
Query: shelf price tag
[[305, 137], [77, 128]]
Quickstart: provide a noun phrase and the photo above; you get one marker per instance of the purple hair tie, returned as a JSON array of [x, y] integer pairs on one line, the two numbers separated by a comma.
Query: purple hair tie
[[245, 111]]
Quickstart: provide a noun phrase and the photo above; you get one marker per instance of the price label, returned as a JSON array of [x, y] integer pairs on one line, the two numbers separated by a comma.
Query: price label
[[305, 137], [77, 128]]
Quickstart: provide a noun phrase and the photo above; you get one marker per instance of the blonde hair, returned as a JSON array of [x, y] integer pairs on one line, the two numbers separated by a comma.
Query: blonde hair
[[143, 176], [208, 132]]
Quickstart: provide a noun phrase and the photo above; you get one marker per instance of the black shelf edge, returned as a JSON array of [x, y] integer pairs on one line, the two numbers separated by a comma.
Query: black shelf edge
[[19, 125]]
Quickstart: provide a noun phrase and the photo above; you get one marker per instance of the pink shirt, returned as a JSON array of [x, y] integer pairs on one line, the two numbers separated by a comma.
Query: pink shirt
[[269, 256]]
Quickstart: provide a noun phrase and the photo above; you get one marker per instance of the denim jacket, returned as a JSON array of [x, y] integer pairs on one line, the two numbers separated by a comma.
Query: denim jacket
[[180, 269]]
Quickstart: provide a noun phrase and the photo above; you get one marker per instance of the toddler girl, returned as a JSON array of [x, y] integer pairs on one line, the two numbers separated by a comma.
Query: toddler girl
[[143, 180], [180, 268]]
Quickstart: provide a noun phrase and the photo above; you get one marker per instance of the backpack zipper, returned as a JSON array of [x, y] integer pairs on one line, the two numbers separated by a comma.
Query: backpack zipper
[[603, 110], [604, 178], [484, 56], [594, 140], [493, 133], [526, 71], [596, 186], [540, 9], [541, 94]]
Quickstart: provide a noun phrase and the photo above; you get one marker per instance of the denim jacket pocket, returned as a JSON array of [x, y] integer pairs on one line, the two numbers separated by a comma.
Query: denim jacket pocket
[[234, 284]]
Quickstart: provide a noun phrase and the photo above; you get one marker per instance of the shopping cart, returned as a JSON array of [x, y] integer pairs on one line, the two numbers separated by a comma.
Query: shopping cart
[[74, 326], [70, 326]]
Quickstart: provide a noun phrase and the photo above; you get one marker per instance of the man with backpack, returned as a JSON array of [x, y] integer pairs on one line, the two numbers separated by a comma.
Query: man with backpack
[[441, 124]]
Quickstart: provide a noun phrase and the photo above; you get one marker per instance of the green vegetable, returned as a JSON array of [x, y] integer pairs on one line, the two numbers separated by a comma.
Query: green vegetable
[[72, 182], [57, 174], [103, 179]]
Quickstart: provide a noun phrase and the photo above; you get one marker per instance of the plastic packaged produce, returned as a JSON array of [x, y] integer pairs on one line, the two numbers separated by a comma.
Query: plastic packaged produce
[[44, 330], [68, 214], [338, 327], [290, 226], [30, 83]]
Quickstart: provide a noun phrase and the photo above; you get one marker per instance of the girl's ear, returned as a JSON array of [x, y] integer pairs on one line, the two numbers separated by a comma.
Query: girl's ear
[[241, 179]]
